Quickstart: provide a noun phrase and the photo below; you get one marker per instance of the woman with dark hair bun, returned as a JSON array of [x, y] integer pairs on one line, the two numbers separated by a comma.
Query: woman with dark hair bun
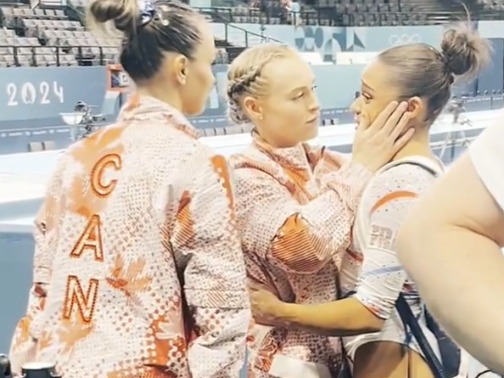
[[138, 269], [371, 276]]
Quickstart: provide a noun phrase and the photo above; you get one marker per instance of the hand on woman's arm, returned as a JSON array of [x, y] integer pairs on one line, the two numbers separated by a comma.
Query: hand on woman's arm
[[344, 317], [381, 278]]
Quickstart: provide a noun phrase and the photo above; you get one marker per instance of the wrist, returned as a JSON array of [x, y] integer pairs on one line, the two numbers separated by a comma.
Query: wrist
[[365, 163], [361, 170], [285, 313]]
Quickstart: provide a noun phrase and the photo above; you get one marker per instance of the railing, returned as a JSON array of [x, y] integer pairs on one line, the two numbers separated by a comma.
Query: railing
[[82, 57], [235, 35], [266, 16], [23, 56], [328, 16], [431, 18], [228, 28], [9, 2]]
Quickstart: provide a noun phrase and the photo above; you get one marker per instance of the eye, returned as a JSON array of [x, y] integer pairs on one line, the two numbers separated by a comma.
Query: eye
[[303, 93], [366, 97]]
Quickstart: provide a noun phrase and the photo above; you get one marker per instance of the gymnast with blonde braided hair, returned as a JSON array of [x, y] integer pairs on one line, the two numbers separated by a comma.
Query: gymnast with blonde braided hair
[[296, 203]]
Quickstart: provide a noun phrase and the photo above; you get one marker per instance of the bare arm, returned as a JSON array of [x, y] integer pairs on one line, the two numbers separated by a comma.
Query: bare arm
[[297, 238], [450, 245], [214, 276]]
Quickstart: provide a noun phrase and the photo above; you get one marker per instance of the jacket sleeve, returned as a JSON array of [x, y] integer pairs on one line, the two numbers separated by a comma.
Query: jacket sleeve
[[214, 274], [298, 238], [27, 331]]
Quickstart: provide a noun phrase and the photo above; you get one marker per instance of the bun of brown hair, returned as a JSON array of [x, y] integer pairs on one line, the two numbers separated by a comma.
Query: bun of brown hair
[[464, 50], [124, 14]]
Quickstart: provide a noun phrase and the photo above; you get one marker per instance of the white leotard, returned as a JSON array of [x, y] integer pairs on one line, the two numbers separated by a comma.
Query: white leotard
[[371, 267]]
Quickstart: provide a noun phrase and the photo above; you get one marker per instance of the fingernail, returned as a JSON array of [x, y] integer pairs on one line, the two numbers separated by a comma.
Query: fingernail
[[404, 105]]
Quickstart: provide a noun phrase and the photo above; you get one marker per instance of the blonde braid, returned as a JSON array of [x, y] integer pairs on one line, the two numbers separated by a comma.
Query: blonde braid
[[244, 77]]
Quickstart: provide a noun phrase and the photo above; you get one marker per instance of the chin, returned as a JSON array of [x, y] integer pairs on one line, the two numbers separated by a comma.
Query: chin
[[194, 112], [307, 136], [312, 132]]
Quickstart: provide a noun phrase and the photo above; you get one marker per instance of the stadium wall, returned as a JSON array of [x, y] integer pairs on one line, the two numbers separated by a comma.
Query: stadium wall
[[32, 98], [328, 40]]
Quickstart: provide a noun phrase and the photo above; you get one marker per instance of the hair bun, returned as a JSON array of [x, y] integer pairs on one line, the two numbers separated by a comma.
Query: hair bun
[[124, 13], [464, 50]]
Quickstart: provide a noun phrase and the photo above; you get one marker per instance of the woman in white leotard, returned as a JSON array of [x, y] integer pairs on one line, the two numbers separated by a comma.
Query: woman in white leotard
[[375, 339]]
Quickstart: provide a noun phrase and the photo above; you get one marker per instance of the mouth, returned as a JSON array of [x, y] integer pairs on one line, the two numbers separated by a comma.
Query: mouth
[[313, 120]]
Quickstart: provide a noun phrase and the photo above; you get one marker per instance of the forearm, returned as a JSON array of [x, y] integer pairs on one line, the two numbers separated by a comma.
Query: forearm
[[334, 209], [311, 235], [345, 317], [434, 255], [219, 349], [349, 183]]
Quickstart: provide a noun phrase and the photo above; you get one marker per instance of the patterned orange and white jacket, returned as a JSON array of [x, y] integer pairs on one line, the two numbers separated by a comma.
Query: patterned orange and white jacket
[[295, 209], [138, 267]]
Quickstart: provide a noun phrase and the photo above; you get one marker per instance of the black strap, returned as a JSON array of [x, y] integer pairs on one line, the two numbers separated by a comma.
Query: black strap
[[410, 322], [425, 167]]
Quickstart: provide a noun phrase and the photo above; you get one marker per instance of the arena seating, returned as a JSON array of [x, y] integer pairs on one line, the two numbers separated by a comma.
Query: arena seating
[[359, 12], [56, 37], [53, 33], [47, 37]]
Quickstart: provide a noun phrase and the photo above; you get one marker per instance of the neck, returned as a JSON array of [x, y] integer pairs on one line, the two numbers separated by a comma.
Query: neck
[[275, 145], [271, 141], [419, 145], [161, 94]]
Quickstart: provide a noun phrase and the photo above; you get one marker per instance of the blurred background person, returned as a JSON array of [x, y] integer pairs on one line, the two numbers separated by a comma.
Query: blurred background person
[[451, 246]]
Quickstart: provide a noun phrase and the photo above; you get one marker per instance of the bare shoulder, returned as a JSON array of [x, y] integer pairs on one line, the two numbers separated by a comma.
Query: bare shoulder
[[404, 178]]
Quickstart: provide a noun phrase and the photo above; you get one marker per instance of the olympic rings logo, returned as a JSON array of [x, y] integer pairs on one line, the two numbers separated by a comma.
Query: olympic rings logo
[[398, 40]]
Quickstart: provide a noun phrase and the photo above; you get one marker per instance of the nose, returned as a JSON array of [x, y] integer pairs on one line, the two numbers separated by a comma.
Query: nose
[[355, 107], [314, 105]]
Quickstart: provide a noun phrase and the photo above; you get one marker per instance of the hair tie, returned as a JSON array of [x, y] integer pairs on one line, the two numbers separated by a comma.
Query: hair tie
[[147, 11], [445, 59]]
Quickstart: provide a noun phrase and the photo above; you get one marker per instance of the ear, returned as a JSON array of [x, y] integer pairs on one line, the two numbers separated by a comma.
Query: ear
[[180, 68], [416, 107], [252, 107]]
